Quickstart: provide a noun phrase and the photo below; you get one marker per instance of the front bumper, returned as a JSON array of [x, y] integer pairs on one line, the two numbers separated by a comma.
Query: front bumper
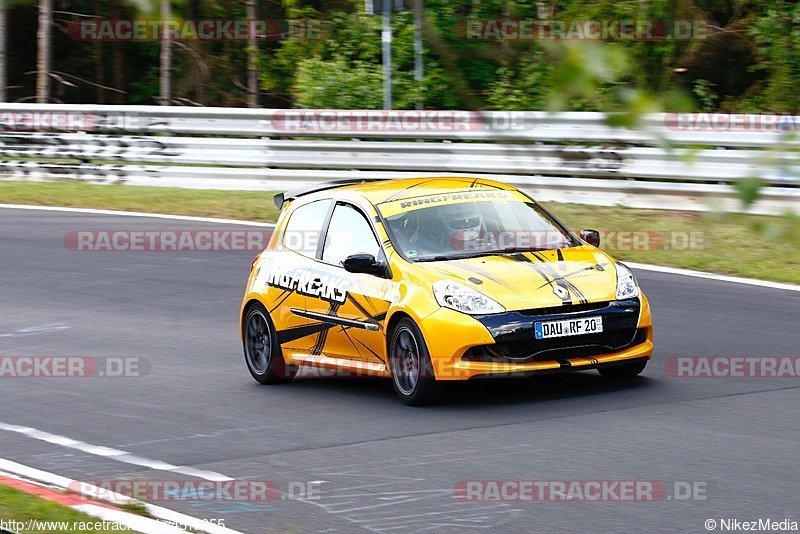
[[464, 347]]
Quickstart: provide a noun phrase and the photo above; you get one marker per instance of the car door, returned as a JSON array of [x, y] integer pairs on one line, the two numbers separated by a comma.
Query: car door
[[354, 304], [292, 261]]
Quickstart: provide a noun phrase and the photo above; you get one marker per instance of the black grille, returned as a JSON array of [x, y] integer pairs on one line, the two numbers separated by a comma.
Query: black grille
[[515, 341], [490, 353], [569, 308]]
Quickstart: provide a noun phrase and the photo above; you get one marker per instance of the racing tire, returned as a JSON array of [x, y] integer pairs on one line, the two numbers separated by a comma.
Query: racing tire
[[410, 365], [262, 352], [626, 370]]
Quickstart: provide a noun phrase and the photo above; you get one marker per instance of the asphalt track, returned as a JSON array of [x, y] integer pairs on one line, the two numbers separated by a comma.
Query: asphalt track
[[382, 466]]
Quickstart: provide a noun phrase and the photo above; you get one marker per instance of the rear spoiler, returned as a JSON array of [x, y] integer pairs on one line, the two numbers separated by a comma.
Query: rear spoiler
[[282, 198]]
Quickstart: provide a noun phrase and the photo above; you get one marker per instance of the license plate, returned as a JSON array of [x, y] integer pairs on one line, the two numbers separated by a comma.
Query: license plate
[[568, 327]]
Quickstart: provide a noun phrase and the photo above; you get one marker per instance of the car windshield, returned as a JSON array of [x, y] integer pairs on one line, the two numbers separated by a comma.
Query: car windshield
[[438, 228]]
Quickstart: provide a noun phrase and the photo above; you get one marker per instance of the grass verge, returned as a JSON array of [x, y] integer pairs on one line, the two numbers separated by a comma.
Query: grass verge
[[34, 514], [244, 205], [742, 245]]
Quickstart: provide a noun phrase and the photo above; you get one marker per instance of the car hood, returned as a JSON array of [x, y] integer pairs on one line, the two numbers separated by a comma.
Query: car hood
[[530, 280]]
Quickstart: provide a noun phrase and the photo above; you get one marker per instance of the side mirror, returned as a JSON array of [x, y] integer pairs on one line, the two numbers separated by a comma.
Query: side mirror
[[591, 236], [364, 263]]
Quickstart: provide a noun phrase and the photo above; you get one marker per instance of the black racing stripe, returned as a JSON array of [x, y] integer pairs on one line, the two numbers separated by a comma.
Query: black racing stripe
[[399, 194], [492, 186], [578, 271], [568, 284], [369, 301], [371, 351], [322, 337], [547, 271], [334, 319], [282, 298], [367, 315], [575, 289], [545, 266], [560, 280], [297, 332], [350, 339], [539, 256], [487, 275], [522, 258]]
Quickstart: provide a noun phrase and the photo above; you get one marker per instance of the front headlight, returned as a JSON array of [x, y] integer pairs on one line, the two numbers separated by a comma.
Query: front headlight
[[458, 297], [627, 288]]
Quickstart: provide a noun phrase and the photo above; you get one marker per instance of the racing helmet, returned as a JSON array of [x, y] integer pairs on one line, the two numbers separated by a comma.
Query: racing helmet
[[463, 220]]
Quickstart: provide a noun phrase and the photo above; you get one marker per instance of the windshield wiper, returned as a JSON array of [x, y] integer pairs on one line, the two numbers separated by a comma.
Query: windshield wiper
[[480, 253], [515, 250], [436, 258]]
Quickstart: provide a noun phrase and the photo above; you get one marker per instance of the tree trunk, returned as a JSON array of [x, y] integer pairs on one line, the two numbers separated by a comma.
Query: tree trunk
[[252, 50], [3, 40], [99, 62], [43, 57], [166, 57], [419, 52], [117, 59], [197, 72]]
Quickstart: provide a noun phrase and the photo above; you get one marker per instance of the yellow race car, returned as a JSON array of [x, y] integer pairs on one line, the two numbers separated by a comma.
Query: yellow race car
[[429, 280]]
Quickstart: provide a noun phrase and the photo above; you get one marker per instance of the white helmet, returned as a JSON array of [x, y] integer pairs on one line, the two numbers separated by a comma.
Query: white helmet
[[463, 220]]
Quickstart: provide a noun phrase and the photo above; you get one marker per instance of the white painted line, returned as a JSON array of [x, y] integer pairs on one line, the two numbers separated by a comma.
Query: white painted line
[[36, 474], [711, 276], [67, 484], [137, 214], [642, 266], [113, 454]]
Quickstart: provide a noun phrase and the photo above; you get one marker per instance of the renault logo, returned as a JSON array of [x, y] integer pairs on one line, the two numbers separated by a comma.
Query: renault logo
[[560, 292]]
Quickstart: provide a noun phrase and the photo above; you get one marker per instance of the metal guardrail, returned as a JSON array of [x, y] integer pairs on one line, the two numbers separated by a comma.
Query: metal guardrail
[[669, 160]]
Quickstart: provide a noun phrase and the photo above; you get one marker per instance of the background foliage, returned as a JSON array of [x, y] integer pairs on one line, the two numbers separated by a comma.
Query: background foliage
[[748, 60]]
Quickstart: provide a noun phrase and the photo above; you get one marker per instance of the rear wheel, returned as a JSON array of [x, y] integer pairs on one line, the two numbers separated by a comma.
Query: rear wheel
[[626, 370], [262, 353], [410, 364]]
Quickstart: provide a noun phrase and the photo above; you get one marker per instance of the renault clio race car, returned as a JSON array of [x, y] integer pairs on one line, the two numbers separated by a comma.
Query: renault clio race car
[[430, 280]]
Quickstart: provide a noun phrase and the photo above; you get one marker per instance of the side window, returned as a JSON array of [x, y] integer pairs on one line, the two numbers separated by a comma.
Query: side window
[[305, 226], [349, 233]]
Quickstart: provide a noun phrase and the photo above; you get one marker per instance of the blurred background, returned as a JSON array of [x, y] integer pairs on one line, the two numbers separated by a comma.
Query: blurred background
[[655, 117], [704, 54]]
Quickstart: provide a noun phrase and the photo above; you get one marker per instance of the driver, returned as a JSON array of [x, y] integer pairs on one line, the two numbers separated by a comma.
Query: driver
[[419, 234], [464, 224]]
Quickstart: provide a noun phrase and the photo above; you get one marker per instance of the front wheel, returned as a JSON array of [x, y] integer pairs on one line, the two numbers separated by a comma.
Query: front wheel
[[261, 349], [626, 370], [410, 363]]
